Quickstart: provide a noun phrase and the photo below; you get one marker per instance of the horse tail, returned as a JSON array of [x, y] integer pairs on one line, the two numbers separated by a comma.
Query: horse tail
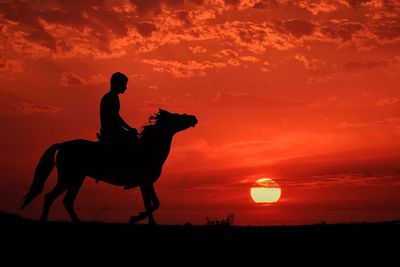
[[42, 171]]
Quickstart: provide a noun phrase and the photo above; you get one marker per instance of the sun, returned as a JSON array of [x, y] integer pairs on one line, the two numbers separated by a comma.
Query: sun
[[265, 190]]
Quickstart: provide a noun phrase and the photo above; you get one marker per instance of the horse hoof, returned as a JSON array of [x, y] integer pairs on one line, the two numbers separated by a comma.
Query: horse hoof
[[152, 224], [134, 219]]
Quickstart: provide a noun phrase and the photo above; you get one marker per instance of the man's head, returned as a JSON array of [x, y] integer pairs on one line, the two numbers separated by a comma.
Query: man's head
[[118, 82]]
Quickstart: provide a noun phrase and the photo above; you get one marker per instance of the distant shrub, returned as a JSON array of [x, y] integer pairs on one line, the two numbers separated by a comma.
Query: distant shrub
[[228, 221], [322, 222]]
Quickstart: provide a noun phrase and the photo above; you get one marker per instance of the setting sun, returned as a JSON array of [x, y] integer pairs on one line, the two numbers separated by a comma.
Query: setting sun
[[265, 190]]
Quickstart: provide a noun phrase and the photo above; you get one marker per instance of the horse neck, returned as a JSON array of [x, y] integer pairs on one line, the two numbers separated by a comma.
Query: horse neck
[[161, 145]]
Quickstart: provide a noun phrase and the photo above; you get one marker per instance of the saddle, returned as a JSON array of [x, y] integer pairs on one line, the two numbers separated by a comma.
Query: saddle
[[119, 150], [128, 139]]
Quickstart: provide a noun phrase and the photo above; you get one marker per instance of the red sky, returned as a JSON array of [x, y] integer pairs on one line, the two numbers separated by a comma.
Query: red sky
[[304, 92]]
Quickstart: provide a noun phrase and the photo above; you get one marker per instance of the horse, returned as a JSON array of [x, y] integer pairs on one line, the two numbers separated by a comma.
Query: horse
[[137, 164]]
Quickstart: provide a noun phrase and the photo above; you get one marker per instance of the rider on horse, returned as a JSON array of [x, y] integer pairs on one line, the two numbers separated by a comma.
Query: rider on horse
[[113, 128], [114, 131]]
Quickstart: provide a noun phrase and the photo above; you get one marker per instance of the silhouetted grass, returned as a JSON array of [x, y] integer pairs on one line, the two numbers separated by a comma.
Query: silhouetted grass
[[228, 221]]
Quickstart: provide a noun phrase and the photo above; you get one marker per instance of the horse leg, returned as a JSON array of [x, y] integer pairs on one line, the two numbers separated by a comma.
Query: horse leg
[[154, 199], [50, 197], [72, 192], [146, 194], [151, 203]]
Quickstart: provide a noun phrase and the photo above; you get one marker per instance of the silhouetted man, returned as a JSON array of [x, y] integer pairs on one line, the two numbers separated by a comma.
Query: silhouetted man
[[113, 128]]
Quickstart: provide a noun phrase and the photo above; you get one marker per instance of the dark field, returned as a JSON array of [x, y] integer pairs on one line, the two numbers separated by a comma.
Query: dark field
[[62, 243]]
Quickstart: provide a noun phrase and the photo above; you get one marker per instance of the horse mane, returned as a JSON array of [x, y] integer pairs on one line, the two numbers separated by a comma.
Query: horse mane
[[151, 126]]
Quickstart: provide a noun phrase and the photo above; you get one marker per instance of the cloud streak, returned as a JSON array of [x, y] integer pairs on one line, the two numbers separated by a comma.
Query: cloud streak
[[26, 108]]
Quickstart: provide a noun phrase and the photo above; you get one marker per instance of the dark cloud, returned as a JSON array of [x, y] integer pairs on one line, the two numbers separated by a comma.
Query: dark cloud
[[388, 29], [72, 79], [43, 38], [92, 17], [19, 11], [155, 6], [183, 15], [144, 6], [364, 65], [197, 2], [266, 4], [299, 27], [69, 78], [232, 2], [343, 30], [28, 20], [357, 3], [146, 29], [93, 27], [26, 108]]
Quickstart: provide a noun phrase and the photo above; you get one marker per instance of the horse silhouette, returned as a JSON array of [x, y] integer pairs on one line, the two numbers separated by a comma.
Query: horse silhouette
[[137, 164]]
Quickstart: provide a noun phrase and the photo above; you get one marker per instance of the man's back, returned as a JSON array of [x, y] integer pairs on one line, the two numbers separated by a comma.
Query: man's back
[[109, 115]]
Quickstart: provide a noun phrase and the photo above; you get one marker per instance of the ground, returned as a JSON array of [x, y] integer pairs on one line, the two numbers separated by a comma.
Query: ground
[[60, 243]]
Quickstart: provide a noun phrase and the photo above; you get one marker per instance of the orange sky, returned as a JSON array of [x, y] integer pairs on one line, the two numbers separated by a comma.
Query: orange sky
[[304, 92]]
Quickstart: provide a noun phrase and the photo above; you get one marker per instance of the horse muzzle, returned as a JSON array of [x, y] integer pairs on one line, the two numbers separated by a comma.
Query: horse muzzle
[[194, 121]]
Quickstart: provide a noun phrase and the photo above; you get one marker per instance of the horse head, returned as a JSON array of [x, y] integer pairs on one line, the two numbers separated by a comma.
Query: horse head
[[170, 123]]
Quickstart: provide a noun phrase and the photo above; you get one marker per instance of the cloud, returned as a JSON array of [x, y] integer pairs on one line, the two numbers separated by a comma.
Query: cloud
[[145, 6], [232, 58], [197, 49], [227, 53], [358, 167], [358, 3], [168, 103], [387, 101], [26, 108], [10, 65], [71, 79], [364, 34], [232, 2], [391, 122], [299, 28], [364, 65], [351, 69], [248, 101], [340, 168], [146, 29], [317, 7], [257, 37], [155, 6], [57, 27], [183, 70], [110, 29], [309, 63], [263, 4], [342, 29], [68, 78]]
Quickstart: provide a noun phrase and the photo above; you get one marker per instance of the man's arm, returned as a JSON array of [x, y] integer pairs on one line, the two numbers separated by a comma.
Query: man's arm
[[123, 123]]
